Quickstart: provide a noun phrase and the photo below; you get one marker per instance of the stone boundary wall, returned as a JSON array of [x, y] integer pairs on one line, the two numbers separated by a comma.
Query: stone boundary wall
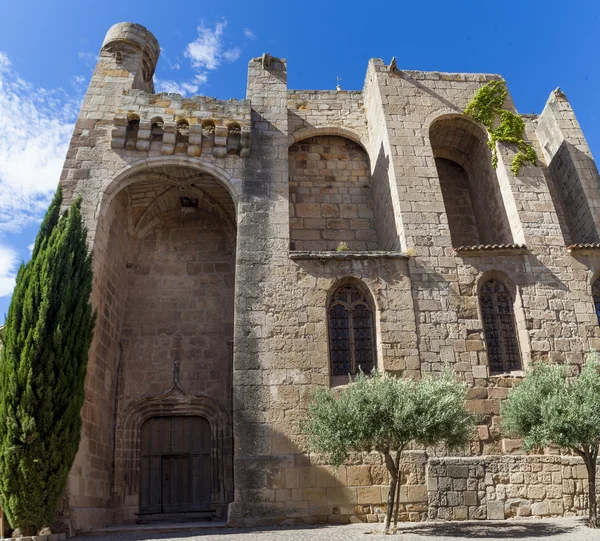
[[499, 487]]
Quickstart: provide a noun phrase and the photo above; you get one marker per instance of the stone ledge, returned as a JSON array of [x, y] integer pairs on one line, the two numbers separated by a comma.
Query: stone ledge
[[490, 249], [340, 256]]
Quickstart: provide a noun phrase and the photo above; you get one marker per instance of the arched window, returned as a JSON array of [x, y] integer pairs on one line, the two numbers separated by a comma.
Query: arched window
[[596, 295], [351, 332], [499, 328]]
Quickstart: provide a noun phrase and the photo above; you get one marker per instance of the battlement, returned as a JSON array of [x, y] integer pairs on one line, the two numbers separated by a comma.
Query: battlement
[[170, 124]]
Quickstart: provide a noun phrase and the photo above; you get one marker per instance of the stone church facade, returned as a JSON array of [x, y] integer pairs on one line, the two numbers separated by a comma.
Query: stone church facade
[[223, 299]]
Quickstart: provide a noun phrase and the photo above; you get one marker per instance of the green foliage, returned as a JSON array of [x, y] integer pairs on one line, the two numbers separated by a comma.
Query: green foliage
[[549, 407], [43, 361], [488, 105], [383, 413]]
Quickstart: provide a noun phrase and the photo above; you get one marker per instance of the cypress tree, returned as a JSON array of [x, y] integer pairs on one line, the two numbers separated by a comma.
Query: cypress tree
[[43, 360]]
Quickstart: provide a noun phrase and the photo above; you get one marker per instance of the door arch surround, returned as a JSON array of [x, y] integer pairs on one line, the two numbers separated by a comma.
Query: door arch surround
[[173, 403]]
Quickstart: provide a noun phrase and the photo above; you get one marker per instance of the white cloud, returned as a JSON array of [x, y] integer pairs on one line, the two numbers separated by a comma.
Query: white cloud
[[231, 55], [36, 127], [185, 88], [89, 59], [206, 53], [9, 264], [249, 34]]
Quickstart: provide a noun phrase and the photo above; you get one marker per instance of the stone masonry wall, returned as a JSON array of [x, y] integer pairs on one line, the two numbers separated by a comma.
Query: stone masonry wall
[[180, 283], [495, 487], [330, 195], [91, 479], [454, 183], [571, 167]]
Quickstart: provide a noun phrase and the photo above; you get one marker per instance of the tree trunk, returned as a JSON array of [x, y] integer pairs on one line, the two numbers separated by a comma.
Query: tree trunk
[[590, 463], [398, 487], [391, 467]]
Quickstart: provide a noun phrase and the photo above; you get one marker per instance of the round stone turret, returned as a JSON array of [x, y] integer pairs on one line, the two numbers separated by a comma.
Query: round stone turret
[[123, 39]]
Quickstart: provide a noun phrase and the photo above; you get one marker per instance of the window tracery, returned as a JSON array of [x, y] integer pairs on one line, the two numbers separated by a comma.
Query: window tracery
[[351, 332], [499, 328]]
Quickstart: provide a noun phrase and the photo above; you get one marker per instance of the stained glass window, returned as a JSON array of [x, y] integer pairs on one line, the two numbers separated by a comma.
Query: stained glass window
[[596, 295], [499, 328], [351, 343]]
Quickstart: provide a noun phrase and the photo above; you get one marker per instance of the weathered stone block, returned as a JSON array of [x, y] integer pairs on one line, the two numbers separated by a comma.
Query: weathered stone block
[[540, 508], [495, 510]]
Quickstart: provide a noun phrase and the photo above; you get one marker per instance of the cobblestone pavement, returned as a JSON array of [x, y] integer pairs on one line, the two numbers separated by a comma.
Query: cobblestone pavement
[[567, 529]]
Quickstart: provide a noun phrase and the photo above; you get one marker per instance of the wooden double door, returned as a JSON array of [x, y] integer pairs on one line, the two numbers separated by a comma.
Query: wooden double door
[[176, 474]]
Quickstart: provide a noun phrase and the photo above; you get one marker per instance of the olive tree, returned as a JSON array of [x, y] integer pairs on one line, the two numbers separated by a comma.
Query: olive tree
[[385, 414], [551, 407]]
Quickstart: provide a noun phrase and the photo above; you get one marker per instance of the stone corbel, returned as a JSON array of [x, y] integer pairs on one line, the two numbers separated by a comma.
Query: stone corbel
[[119, 132], [169, 138], [220, 148], [195, 140], [143, 138], [245, 142]]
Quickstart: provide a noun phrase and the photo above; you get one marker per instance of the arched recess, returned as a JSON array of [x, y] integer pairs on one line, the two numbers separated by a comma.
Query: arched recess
[[352, 330], [186, 168], [317, 131], [470, 187], [503, 323], [331, 200], [164, 273]]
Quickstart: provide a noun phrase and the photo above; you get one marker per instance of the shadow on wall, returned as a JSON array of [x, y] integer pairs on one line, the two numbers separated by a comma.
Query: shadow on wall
[[276, 483], [385, 221], [569, 192]]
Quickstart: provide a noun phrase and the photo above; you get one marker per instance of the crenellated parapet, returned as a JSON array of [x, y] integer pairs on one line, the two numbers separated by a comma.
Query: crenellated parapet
[[169, 124]]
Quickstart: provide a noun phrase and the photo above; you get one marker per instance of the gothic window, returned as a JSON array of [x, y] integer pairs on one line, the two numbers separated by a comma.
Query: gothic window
[[351, 331], [596, 295], [499, 328]]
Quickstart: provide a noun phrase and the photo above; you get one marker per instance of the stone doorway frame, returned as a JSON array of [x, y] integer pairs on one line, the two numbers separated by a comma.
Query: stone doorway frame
[[173, 403]]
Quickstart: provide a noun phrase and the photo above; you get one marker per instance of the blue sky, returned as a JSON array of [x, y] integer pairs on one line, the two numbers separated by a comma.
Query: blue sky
[[48, 49]]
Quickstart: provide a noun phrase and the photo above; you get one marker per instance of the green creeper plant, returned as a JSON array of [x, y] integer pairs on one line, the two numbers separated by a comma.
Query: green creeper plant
[[549, 407], [43, 360], [385, 414], [487, 107]]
